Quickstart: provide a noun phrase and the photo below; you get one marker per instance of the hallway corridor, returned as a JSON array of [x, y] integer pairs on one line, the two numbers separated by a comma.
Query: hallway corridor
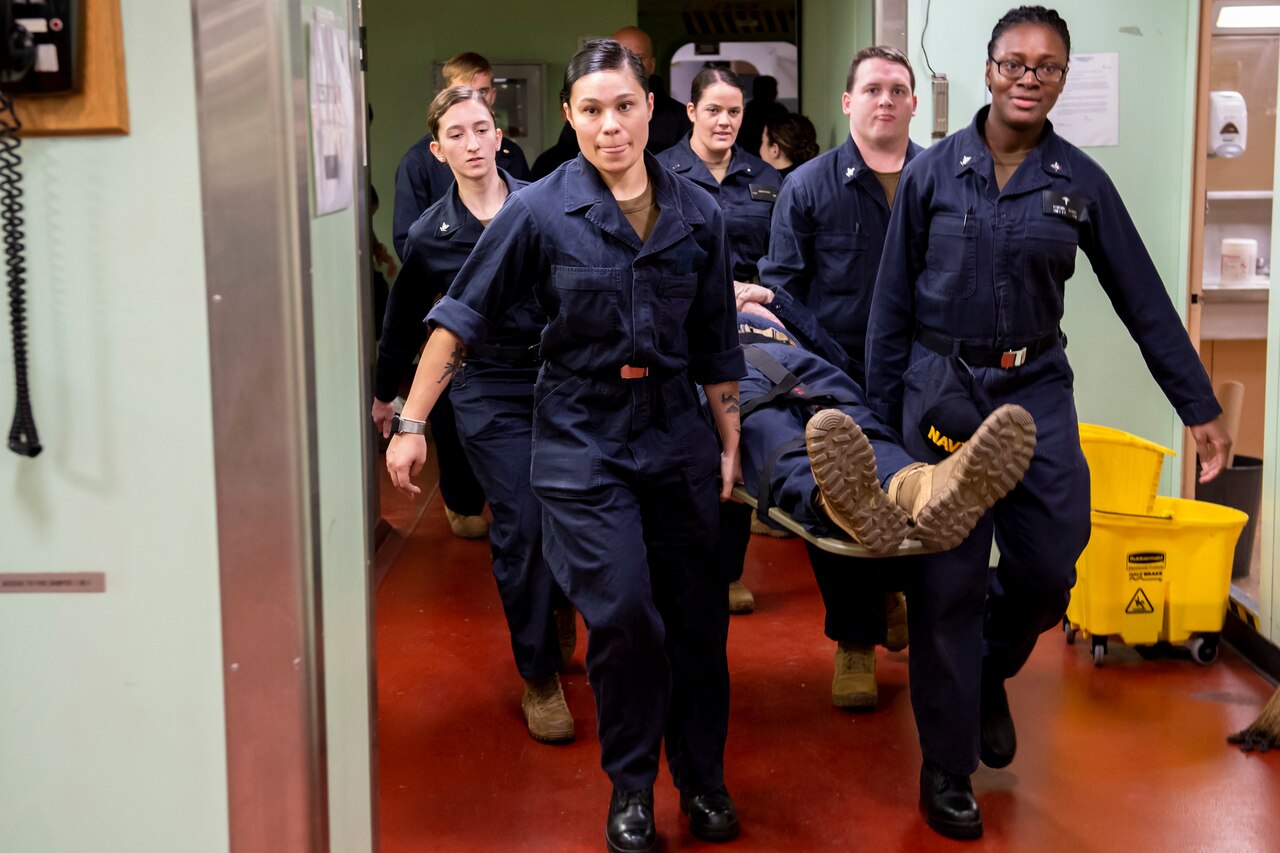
[[1128, 757]]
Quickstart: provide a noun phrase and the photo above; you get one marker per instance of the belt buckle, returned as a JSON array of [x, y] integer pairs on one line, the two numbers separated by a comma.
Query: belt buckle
[[629, 372], [1013, 358]]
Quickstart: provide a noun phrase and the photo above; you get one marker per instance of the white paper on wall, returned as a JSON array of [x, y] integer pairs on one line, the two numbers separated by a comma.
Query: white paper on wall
[[1088, 110], [332, 113]]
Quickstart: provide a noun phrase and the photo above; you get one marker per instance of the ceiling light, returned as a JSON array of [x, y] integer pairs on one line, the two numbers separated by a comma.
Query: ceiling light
[[1248, 17]]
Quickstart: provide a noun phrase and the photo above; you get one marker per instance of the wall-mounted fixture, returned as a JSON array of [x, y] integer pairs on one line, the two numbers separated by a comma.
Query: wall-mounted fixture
[[1228, 124]]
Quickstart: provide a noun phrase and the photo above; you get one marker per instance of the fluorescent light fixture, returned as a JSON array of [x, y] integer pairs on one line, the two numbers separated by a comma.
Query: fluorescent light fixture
[[1248, 17]]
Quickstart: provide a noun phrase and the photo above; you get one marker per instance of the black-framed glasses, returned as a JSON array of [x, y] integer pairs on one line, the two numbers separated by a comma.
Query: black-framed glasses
[[1012, 69]]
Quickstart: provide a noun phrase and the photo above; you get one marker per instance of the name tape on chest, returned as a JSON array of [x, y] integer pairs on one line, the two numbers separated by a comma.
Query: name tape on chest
[[760, 192], [1063, 205]]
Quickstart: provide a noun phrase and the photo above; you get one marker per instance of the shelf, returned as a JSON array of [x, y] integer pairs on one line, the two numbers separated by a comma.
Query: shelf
[[1213, 292], [1238, 195]]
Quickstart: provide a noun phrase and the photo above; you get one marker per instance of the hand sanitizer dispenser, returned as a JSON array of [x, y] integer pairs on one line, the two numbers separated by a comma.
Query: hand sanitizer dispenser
[[1228, 124]]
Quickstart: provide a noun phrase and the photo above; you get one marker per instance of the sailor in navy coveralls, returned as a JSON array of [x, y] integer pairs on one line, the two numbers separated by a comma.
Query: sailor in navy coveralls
[[981, 243], [629, 263]]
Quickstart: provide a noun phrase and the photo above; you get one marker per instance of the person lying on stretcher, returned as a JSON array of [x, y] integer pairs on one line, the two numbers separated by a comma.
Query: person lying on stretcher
[[812, 446]]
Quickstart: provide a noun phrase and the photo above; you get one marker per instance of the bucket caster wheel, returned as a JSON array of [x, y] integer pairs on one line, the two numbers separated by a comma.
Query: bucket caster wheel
[[1099, 650], [1204, 648], [1069, 632]]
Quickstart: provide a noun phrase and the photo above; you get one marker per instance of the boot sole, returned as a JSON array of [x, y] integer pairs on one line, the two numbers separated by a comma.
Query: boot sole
[[552, 737], [992, 462], [952, 829], [844, 468], [860, 702]]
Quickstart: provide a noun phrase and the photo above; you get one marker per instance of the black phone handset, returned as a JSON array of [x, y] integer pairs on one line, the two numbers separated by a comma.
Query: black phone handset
[[17, 56], [41, 48]]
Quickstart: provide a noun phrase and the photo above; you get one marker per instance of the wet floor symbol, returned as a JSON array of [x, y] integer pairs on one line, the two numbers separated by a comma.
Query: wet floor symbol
[[1139, 603]]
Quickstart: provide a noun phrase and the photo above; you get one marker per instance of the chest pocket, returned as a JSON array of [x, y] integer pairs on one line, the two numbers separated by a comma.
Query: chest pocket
[[951, 259], [589, 296], [1050, 253], [839, 262]]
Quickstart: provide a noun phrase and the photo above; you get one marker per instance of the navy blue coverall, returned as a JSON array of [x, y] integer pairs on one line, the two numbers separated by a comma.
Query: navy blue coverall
[[828, 232], [421, 180], [626, 469], [746, 196], [493, 405], [981, 273]]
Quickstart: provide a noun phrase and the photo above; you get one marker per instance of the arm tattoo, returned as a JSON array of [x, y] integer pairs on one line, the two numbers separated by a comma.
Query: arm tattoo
[[729, 402], [455, 362]]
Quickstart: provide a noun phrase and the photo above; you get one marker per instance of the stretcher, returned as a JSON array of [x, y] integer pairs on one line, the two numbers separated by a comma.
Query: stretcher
[[843, 547]]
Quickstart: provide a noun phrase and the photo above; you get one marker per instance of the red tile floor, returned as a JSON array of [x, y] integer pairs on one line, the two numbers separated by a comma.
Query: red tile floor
[[1128, 757]]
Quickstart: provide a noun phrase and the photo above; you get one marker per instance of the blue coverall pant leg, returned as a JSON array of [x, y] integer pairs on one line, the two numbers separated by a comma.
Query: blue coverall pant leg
[[958, 610], [494, 411], [735, 536], [459, 488], [627, 474], [1043, 525]]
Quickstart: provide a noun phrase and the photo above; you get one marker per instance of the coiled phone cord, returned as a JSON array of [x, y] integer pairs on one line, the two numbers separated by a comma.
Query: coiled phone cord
[[23, 439]]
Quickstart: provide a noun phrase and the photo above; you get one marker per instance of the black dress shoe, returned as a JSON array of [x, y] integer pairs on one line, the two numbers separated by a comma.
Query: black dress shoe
[[948, 804], [999, 740], [630, 825], [712, 817]]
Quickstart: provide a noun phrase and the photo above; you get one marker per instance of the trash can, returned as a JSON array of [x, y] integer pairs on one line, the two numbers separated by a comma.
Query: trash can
[[1239, 487]]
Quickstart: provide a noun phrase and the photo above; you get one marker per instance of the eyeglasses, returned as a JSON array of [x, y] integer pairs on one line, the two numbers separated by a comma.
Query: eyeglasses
[[1012, 69]]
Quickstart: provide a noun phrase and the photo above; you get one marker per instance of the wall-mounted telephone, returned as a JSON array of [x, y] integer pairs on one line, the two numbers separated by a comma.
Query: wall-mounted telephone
[[41, 45]]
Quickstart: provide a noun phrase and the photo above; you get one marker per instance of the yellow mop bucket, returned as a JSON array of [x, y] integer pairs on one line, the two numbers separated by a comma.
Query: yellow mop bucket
[[1164, 576], [1124, 470]]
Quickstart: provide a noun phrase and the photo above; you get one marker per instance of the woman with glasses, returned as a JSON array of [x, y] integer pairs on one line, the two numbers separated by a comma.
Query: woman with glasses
[[968, 301]]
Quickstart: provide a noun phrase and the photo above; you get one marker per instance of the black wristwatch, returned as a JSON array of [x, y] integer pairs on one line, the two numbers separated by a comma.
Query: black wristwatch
[[399, 425]]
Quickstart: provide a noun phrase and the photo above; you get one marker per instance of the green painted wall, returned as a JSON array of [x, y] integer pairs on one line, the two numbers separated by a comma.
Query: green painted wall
[[344, 565], [1151, 167], [113, 733], [406, 36], [831, 32]]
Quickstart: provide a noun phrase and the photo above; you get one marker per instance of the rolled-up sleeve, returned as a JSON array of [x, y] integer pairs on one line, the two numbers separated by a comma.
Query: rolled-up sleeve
[[505, 260]]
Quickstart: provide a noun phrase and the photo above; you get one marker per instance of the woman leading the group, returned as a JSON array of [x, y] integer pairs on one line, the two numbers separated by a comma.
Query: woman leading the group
[[492, 397], [745, 186], [969, 297], [628, 262]]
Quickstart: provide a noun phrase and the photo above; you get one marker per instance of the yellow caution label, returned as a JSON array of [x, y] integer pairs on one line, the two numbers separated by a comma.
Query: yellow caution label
[[1140, 603]]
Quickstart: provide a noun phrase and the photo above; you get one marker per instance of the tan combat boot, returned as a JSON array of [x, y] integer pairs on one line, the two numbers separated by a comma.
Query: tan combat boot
[[895, 617], [844, 467], [946, 501], [546, 711], [566, 632], [740, 598], [467, 526], [854, 685], [759, 528]]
